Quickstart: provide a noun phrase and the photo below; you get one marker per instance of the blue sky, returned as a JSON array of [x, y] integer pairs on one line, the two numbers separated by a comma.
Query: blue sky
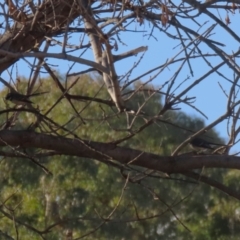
[[210, 98]]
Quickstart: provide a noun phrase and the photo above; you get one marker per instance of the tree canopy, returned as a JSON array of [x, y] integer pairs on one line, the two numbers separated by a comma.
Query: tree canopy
[[54, 195]]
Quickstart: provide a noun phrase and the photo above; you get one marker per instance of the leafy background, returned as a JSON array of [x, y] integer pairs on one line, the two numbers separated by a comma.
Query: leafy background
[[92, 199]]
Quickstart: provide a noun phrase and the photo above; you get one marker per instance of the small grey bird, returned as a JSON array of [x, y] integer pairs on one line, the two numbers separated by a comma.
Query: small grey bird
[[21, 99], [199, 143]]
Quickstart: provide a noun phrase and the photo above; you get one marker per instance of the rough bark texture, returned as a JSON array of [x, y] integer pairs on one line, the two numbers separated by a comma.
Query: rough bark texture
[[49, 19]]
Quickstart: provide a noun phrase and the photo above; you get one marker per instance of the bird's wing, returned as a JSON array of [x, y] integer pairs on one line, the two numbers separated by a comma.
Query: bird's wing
[[200, 143]]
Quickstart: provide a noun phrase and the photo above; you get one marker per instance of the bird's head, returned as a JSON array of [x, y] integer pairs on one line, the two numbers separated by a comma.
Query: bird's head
[[8, 97]]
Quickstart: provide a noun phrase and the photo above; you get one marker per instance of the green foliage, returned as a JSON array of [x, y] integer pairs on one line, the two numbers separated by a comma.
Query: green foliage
[[84, 194]]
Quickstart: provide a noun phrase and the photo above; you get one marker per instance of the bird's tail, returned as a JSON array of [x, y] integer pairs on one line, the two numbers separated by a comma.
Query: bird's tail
[[36, 94]]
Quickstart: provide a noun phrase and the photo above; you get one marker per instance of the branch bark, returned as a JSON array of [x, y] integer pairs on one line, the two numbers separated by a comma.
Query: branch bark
[[107, 151], [51, 16]]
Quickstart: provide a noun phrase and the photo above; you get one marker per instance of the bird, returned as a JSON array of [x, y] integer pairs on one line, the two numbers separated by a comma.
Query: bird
[[199, 143], [21, 99]]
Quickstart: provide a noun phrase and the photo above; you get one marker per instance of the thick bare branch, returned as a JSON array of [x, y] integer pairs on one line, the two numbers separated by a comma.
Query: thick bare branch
[[108, 151]]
